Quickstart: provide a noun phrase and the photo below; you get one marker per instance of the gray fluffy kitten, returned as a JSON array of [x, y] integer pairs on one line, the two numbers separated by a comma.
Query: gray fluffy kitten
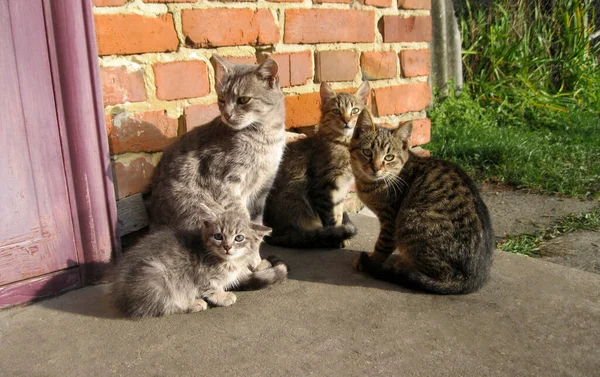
[[233, 159], [172, 271]]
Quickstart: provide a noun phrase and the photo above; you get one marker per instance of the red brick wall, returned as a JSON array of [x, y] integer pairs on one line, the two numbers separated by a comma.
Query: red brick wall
[[157, 80]]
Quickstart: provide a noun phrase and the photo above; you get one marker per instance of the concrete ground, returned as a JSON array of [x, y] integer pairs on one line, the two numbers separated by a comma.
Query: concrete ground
[[534, 318]]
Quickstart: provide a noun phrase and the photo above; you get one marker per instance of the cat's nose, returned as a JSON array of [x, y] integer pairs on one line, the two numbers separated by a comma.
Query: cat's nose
[[227, 116], [227, 247]]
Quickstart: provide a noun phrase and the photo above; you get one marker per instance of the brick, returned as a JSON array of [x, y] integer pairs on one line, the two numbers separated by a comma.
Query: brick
[[332, 1], [183, 79], [228, 27], [169, 1], [234, 59], [406, 29], [120, 86], [294, 68], [149, 131], [198, 115], [336, 65], [302, 110], [134, 34], [377, 3], [328, 26], [402, 98], [108, 3], [414, 4], [421, 132], [285, 1], [415, 62], [133, 177], [379, 65]]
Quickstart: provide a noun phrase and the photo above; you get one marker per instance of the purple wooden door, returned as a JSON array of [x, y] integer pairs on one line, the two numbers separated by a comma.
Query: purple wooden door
[[36, 226]]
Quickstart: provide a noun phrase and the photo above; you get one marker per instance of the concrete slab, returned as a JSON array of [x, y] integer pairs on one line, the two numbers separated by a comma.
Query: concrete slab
[[532, 319]]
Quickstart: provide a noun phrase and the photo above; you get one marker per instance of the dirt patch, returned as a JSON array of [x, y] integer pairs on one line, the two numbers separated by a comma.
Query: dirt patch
[[578, 250]]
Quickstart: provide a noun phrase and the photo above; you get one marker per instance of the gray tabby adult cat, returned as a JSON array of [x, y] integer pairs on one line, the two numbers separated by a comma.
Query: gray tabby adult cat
[[172, 271], [305, 207], [233, 159], [429, 211]]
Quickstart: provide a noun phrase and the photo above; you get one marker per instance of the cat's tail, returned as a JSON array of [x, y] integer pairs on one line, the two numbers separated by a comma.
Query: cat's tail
[[276, 273], [331, 237], [416, 280]]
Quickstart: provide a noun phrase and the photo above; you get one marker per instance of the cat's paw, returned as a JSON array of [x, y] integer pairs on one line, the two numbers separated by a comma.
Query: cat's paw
[[276, 261], [222, 299], [363, 262], [198, 306]]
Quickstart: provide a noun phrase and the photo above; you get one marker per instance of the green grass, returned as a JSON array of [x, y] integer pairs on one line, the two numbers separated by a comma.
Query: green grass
[[530, 243], [539, 148]]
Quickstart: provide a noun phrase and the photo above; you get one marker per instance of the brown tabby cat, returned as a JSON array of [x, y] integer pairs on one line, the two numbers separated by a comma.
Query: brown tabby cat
[[305, 207], [429, 211]]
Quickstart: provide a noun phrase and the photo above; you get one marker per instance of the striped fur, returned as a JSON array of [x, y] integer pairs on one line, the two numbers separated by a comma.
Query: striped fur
[[429, 211], [231, 162], [305, 207], [173, 271]]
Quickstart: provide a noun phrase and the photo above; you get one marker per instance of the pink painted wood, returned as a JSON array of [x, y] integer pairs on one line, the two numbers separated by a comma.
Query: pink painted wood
[[36, 230], [56, 177]]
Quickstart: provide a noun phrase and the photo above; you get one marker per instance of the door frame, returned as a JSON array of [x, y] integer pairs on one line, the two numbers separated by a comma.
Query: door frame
[[75, 75]]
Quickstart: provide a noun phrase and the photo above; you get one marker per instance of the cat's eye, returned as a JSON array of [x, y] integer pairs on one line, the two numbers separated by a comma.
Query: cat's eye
[[355, 111], [367, 152], [218, 236], [389, 157], [239, 238], [243, 100], [336, 112]]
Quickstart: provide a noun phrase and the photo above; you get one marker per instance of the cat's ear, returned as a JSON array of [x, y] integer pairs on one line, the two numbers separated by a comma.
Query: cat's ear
[[363, 92], [206, 213], [261, 230], [268, 71], [403, 132], [222, 69], [326, 93], [363, 123]]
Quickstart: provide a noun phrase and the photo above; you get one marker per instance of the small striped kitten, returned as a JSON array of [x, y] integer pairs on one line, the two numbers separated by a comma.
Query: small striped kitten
[[305, 207], [175, 271], [429, 211]]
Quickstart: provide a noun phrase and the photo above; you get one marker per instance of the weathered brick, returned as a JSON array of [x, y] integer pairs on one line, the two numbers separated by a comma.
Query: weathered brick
[[197, 115], [183, 79], [120, 85], [421, 132], [108, 3], [302, 110], [414, 4], [295, 68], [379, 65], [332, 1], [405, 29], [336, 65], [229, 27], [134, 34], [377, 3], [402, 98], [134, 176], [328, 26], [415, 62], [150, 131]]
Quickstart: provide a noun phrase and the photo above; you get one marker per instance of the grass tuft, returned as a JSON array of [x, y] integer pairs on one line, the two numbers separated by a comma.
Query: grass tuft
[[530, 243]]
